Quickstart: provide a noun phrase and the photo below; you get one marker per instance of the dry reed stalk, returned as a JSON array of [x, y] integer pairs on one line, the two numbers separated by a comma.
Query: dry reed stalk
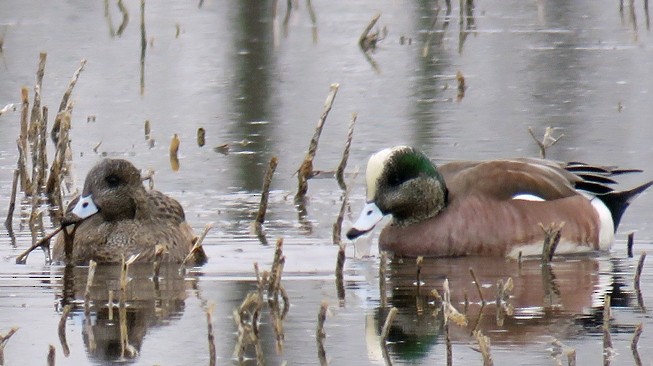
[[174, 149], [126, 349], [461, 86], [42, 158], [159, 250], [143, 48], [12, 201], [638, 271], [340, 171], [65, 99], [211, 337], [382, 275], [478, 285], [274, 270], [92, 265], [197, 245], [265, 192], [201, 137], [53, 186], [337, 226], [35, 115], [552, 234], [571, 357], [631, 239], [367, 41], [484, 346], [385, 331], [547, 140], [607, 339], [125, 18], [306, 169], [340, 283], [321, 318], [25, 183], [147, 129], [51, 355], [633, 344], [320, 334], [22, 257], [3, 342], [62, 329], [110, 304]]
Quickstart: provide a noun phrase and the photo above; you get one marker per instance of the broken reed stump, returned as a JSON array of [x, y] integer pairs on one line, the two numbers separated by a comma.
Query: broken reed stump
[[92, 265], [484, 347], [62, 329], [382, 274], [638, 271], [340, 171], [461, 85], [631, 238], [320, 334], [194, 255], [25, 183], [633, 344], [340, 283], [367, 41], [22, 257], [265, 192], [51, 355], [201, 137], [385, 331], [305, 170], [3, 342], [450, 313], [125, 18], [547, 140], [607, 339], [552, 234], [12, 202], [174, 150]]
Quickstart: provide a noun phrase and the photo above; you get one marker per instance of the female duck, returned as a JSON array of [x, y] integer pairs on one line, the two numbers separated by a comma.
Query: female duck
[[120, 218], [488, 208]]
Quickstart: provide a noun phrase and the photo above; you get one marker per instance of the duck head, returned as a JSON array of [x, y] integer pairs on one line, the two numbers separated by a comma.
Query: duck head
[[402, 182], [111, 189]]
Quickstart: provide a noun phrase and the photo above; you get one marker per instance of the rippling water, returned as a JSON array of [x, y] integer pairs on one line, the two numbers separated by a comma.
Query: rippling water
[[256, 79]]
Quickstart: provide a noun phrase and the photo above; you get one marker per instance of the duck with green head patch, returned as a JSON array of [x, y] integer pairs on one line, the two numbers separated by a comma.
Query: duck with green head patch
[[490, 208]]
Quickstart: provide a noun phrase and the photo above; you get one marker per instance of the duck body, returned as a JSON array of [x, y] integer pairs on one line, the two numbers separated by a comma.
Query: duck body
[[488, 208], [120, 218]]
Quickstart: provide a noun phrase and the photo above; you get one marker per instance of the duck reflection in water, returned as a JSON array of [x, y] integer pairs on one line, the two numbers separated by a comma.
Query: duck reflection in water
[[151, 302], [558, 300]]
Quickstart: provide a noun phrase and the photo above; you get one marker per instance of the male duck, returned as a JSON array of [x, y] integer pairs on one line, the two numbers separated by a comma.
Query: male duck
[[120, 218], [488, 208]]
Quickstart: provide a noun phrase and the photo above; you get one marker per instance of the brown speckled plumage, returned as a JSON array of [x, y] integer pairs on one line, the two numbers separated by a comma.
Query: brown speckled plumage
[[131, 220]]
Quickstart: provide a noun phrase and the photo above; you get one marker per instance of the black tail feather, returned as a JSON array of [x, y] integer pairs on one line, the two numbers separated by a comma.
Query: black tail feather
[[617, 202]]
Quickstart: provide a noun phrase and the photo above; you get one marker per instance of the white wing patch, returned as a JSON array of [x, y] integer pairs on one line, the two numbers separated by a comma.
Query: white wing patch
[[527, 197]]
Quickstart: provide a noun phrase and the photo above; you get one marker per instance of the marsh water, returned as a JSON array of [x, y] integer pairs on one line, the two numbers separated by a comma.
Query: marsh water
[[255, 76]]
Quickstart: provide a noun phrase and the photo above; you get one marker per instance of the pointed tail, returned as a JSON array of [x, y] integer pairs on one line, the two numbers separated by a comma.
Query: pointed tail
[[618, 202]]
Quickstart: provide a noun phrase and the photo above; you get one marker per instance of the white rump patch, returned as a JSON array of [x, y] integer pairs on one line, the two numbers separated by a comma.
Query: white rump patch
[[527, 197], [606, 228]]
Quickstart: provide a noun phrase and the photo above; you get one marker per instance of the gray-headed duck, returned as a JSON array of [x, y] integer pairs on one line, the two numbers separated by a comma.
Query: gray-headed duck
[[121, 218]]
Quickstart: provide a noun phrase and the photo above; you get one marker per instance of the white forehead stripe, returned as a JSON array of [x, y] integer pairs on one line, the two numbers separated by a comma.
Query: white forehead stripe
[[375, 169]]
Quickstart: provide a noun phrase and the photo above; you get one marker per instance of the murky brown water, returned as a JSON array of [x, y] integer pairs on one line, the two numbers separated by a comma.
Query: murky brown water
[[246, 76]]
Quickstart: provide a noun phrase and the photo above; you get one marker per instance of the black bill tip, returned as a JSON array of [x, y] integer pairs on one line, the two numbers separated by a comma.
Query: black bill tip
[[354, 233]]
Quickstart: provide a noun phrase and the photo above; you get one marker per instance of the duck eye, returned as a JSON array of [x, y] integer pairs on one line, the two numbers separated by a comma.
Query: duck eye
[[112, 180], [369, 212]]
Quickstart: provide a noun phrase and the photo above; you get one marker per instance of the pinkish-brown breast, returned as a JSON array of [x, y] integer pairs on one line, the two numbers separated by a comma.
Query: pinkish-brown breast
[[481, 226]]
